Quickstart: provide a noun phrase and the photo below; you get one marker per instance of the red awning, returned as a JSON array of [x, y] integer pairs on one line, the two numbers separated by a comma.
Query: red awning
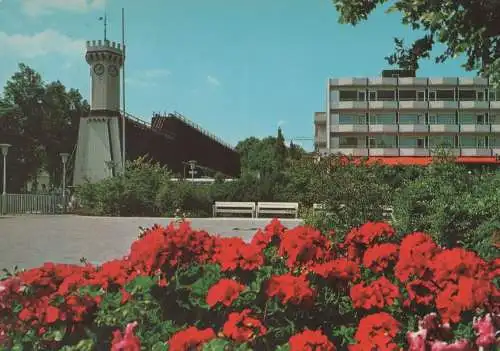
[[424, 161]]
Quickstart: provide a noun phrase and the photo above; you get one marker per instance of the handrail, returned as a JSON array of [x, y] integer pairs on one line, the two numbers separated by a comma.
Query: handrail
[[146, 124], [201, 130]]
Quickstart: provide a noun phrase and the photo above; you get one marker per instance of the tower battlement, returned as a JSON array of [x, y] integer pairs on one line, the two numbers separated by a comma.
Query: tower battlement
[[104, 50]]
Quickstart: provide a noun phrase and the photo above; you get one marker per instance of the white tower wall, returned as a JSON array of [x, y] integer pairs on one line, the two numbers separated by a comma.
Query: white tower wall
[[98, 153]]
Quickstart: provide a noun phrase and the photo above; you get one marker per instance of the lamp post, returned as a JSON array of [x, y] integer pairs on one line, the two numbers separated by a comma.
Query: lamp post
[[4, 148], [192, 165], [64, 159]]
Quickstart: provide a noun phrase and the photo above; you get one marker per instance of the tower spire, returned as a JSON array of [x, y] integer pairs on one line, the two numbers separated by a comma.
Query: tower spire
[[105, 25]]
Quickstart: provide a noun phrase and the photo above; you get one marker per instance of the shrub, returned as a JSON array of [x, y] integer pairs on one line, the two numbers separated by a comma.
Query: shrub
[[193, 199], [131, 195], [286, 289]]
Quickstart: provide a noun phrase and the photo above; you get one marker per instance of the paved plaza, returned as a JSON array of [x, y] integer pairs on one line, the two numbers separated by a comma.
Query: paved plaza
[[29, 241]]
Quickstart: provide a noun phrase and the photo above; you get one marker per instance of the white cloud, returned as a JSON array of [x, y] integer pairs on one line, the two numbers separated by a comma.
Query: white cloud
[[213, 81], [40, 44], [147, 78], [43, 7]]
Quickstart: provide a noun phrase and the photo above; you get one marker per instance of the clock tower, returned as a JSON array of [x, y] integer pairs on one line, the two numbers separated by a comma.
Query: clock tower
[[98, 153]]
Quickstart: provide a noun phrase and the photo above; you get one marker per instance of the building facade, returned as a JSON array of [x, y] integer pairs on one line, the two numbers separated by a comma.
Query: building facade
[[400, 118]]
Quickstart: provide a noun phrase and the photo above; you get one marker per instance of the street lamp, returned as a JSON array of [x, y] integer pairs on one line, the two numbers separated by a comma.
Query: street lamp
[[192, 165], [5, 150], [64, 159]]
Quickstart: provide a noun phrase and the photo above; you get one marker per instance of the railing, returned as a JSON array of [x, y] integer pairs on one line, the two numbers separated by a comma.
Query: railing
[[201, 130], [146, 125], [31, 204]]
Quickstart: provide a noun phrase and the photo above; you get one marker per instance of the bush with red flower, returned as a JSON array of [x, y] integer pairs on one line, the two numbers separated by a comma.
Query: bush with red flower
[[182, 289]]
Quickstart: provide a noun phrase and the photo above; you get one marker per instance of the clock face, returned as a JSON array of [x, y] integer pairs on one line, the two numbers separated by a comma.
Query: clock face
[[99, 69], [113, 70]]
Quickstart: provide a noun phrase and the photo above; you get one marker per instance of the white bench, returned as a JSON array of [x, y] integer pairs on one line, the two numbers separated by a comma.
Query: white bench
[[234, 207], [278, 208]]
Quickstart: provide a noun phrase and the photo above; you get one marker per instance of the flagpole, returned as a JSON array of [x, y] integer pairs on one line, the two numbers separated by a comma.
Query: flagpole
[[123, 90]]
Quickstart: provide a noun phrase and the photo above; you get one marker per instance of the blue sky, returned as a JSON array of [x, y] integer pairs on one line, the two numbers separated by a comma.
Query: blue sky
[[238, 68]]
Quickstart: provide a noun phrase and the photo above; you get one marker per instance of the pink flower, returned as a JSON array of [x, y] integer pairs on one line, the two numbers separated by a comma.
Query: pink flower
[[127, 342], [485, 331], [417, 340], [461, 345]]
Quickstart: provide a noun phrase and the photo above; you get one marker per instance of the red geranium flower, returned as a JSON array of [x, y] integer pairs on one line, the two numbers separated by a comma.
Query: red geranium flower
[[342, 268], [289, 288], [376, 331], [225, 291], [241, 327], [415, 253], [379, 257], [421, 291], [190, 339], [379, 293], [310, 340], [304, 245]]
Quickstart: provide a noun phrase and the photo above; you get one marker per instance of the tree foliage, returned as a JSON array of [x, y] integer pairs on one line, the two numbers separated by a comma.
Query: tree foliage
[[463, 26], [40, 120]]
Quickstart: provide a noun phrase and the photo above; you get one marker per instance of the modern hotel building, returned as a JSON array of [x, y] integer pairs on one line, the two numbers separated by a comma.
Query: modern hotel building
[[400, 118]]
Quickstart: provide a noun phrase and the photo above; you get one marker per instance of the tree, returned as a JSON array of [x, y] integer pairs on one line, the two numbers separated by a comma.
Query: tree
[[280, 150], [463, 26], [39, 121]]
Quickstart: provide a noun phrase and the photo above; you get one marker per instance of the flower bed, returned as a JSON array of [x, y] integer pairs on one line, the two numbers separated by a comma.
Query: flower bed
[[288, 289]]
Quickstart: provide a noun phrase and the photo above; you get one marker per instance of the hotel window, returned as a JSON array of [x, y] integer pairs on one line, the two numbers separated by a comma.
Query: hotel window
[[407, 95], [361, 95], [479, 142], [421, 95], [445, 95], [388, 118], [480, 95], [421, 143], [352, 119], [495, 118], [411, 142], [481, 119], [491, 95], [348, 95], [432, 95], [466, 94], [442, 119], [372, 95], [418, 118], [386, 95], [350, 142], [442, 141]]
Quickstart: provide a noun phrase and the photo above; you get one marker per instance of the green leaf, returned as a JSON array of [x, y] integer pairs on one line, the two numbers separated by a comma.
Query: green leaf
[[159, 346], [284, 347], [216, 345]]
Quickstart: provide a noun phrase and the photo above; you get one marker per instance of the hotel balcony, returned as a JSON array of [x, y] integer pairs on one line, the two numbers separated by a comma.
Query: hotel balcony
[[412, 81], [441, 81], [473, 81], [362, 152], [495, 128], [382, 81], [495, 105], [391, 151], [475, 128], [413, 128], [348, 105], [495, 151], [442, 104], [413, 151], [475, 152], [355, 82], [413, 105], [474, 105], [349, 128], [443, 128], [383, 105], [383, 128], [320, 118], [453, 152]]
